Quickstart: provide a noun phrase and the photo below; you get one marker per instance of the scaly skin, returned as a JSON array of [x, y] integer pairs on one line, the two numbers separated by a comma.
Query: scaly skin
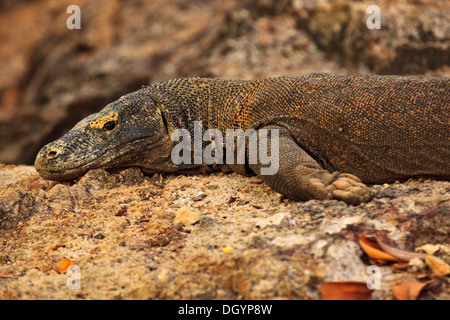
[[337, 133]]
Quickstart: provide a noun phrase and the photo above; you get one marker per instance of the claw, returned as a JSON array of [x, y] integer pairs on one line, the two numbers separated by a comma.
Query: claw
[[350, 189]]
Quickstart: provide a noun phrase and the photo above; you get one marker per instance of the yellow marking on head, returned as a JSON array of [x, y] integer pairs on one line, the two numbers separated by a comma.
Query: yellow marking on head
[[98, 124]]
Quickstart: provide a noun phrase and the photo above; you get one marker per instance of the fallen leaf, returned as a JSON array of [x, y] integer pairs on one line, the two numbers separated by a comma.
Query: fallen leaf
[[378, 250], [438, 266], [373, 250], [409, 290], [400, 266], [345, 290], [402, 255], [64, 265], [433, 248]]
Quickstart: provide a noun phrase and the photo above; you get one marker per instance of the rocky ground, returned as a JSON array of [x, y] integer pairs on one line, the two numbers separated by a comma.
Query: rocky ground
[[203, 237], [200, 237]]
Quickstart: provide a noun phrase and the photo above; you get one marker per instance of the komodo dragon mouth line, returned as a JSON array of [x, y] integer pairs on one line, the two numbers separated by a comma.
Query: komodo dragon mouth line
[[66, 173], [70, 173]]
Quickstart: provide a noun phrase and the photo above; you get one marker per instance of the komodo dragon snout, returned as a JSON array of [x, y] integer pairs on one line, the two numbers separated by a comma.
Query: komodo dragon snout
[[120, 135]]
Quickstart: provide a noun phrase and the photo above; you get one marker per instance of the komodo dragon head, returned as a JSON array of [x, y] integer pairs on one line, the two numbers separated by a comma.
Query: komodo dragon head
[[131, 131]]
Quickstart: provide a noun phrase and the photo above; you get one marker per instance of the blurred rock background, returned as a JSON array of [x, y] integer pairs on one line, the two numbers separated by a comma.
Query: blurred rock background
[[51, 77]]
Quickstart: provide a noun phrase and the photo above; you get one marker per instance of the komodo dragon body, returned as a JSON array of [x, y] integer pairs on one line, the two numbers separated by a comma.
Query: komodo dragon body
[[336, 133]]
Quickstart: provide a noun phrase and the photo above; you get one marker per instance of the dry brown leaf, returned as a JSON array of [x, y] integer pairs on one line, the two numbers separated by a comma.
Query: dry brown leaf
[[429, 248], [402, 255], [409, 290], [374, 251], [401, 266], [345, 290], [378, 250], [438, 266]]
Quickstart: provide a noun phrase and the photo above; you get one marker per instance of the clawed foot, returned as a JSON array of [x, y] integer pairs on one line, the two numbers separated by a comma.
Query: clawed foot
[[350, 189], [321, 185]]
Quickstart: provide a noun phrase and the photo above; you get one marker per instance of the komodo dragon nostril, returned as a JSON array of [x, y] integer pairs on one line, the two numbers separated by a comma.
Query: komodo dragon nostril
[[52, 154]]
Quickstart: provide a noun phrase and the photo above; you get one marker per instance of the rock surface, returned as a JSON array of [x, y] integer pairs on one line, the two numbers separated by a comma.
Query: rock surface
[[248, 242], [199, 237]]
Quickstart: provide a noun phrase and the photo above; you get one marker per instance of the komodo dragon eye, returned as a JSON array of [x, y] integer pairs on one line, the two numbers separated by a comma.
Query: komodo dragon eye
[[110, 125]]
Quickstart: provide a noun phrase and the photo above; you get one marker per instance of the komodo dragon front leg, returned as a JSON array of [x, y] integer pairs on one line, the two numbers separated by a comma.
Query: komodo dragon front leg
[[300, 177]]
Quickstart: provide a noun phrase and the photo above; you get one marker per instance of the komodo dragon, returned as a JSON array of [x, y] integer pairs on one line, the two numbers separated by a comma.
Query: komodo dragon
[[336, 133]]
